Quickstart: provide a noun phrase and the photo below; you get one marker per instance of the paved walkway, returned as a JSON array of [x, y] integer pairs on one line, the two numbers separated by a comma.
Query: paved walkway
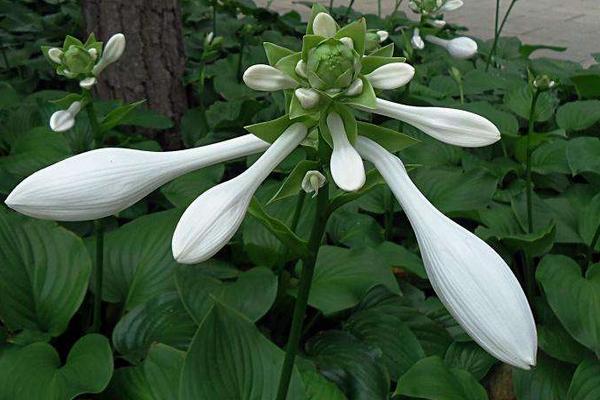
[[574, 24]]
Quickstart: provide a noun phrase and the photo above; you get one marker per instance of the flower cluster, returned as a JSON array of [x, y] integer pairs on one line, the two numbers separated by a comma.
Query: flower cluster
[[324, 84]]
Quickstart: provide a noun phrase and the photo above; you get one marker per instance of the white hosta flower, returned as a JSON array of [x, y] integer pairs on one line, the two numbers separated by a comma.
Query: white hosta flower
[[355, 88], [451, 5], [438, 23], [383, 36], [87, 83], [267, 78], [457, 127], [112, 52], [417, 41], [313, 181], [103, 182], [348, 42], [63, 120], [347, 169], [214, 217], [308, 98], [55, 55], [391, 76], [473, 282], [324, 25], [461, 47]]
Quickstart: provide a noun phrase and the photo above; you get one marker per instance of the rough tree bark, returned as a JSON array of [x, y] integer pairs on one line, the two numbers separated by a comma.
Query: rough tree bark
[[153, 64]]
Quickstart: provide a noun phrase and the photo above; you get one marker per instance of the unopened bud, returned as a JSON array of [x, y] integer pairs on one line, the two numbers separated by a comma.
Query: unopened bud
[[383, 36], [313, 181], [308, 98], [543, 83], [112, 52], [417, 41], [355, 88], [55, 54], [93, 53], [348, 42], [324, 25], [64, 120], [87, 83]]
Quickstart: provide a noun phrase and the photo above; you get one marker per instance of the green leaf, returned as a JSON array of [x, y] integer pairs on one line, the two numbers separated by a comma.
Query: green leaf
[[275, 52], [44, 274], [389, 139], [138, 262], [385, 51], [308, 43], [252, 294], [292, 184], [182, 191], [582, 154], [147, 118], [356, 31], [470, 357], [230, 359], [373, 180], [587, 84], [117, 115], [586, 381], [551, 158], [342, 277], [319, 388], [270, 130], [549, 380], [575, 299], [355, 367], [400, 257], [519, 101], [35, 371], [588, 221], [366, 99], [527, 49], [162, 319], [371, 63], [578, 115], [431, 379], [354, 229]]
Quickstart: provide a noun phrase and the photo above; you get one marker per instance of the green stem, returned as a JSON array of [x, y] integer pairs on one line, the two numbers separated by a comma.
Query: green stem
[[349, 7], [330, 6], [529, 193], [462, 93], [5, 58], [592, 246], [214, 18], [297, 211], [97, 315], [241, 58], [91, 111], [498, 31], [529, 277], [379, 8]]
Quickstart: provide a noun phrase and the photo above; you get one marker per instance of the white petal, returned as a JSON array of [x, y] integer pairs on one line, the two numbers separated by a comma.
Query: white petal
[[355, 88], [308, 98], [391, 76], [438, 23], [55, 55], [102, 182], [347, 169], [473, 282], [348, 42], [383, 35], [301, 69], [457, 127], [87, 83], [324, 25], [416, 41], [462, 48], [61, 121], [451, 5], [214, 217], [114, 48], [266, 78]]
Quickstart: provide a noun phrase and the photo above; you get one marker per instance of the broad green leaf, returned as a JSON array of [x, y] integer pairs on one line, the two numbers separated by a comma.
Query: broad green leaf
[[230, 359], [356, 31], [431, 379], [373, 180], [252, 294], [117, 115], [519, 101], [527, 49], [586, 381], [275, 52], [578, 115], [470, 357], [36, 371], [354, 229], [44, 274], [390, 139], [385, 51], [147, 118], [371, 63], [582, 154], [366, 99], [400, 257], [318, 387], [342, 277], [587, 84], [292, 184], [270, 130], [549, 380], [182, 191], [551, 158], [308, 43], [588, 221], [354, 366], [575, 299], [162, 319]]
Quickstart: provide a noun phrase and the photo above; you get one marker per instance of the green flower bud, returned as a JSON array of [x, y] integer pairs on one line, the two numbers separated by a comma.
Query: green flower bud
[[332, 65], [77, 60], [543, 83], [372, 41]]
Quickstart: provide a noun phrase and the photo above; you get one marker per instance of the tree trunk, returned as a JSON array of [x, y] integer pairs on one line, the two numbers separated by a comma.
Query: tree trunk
[[153, 64]]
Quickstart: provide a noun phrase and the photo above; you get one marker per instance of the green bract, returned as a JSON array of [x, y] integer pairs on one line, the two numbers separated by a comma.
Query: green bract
[[332, 65], [77, 59]]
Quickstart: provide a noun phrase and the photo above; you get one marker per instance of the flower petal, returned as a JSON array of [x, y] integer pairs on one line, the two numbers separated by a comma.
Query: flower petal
[[102, 182], [347, 169], [391, 76], [308, 98], [62, 121], [473, 282], [457, 127], [214, 217], [324, 25], [267, 78], [462, 48], [451, 5]]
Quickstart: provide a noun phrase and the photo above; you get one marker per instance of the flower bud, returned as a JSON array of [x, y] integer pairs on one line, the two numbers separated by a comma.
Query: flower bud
[[543, 83], [112, 52], [324, 25], [87, 83], [55, 55], [462, 48], [391, 76], [93, 53], [77, 61], [355, 88], [383, 36], [267, 78], [64, 120], [438, 23], [416, 41], [451, 5], [209, 38], [313, 181], [332, 65], [308, 98], [301, 69], [348, 42]]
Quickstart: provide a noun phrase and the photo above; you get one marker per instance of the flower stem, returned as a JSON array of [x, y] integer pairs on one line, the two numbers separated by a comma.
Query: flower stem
[[97, 315], [241, 57], [529, 193], [379, 8], [214, 17], [330, 6], [592, 247], [97, 132], [498, 31]]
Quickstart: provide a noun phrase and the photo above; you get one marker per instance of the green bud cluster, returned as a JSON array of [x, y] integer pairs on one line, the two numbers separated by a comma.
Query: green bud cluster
[[76, 59], [332, 65]]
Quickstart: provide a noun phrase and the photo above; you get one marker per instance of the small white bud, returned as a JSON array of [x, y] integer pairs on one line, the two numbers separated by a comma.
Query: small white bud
[[209, 38], [383, 36], [324, 25], [308, 98], [451, 5], [313, 181], [87, 83], [462, 48], [267, 78], [416, 41], [391, 76], [355, 88], [348, 42], [68, 73], [438, 23], [301, 69], [64, 120], [55, 54], [112, 52], [93, 53]]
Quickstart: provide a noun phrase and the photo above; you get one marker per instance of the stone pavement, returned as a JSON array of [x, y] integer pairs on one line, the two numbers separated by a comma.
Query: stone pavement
[[574, 24]]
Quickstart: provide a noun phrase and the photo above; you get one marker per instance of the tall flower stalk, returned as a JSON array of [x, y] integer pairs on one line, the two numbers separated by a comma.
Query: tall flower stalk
[[498, 31]]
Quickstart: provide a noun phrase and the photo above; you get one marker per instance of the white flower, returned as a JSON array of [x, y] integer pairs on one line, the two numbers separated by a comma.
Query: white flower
[[383, 36], [461, 47], [348, 42], [347, 169], [308, 98], [313, 181], [55, 54], [63, 120], [451, 5], [473, 282], [103, 182], [93, 53], [355, 88], [324, 25], [391, 76], [438, 23], [87, 83], [301, 69], [416, 41], [267, 78], [214, 217], [112, 52]]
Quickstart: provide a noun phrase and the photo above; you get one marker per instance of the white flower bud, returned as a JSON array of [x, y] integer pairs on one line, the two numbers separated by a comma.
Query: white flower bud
[[64, 120], [355, 88], [391, 76], [313, 181], [87, 83], [348, 42], [301, 69], [112, 52], [324, 25], [438, 23], [93, 53], [55, 54], [308, 98], [462, 48], [451, 5], [383, 36], [209, 38], [416, 41], [267, 78]]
